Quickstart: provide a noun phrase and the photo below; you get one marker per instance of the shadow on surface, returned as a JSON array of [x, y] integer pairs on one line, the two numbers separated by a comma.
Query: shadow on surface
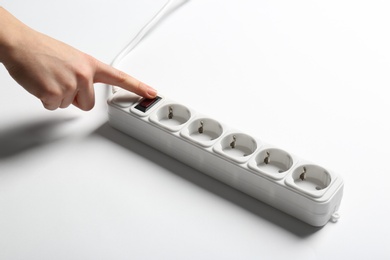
[[30, 135], [210, 184]]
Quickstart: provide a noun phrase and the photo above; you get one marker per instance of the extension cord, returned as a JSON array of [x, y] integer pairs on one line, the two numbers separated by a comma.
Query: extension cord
[[293, 185]]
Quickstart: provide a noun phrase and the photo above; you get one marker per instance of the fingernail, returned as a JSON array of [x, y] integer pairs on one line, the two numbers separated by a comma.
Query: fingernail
[[151, 91]]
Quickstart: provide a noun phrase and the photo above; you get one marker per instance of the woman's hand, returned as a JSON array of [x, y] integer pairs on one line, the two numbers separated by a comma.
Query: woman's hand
[[56, 73]]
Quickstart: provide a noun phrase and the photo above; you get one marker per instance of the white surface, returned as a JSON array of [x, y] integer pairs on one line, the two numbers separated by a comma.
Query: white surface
[[308, 76]]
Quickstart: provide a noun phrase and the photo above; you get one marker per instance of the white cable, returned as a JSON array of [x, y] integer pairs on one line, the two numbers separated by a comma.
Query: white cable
[[168, 6]]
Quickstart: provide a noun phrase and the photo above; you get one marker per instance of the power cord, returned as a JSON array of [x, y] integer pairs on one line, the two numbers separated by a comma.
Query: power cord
[[168, 7]]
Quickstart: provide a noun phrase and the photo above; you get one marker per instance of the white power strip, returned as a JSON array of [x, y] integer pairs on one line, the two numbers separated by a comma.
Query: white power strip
[[300, 188]]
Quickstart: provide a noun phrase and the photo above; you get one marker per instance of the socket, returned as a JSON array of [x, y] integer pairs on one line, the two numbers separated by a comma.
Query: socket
[[203, 131], [171, 116], [305, 190], [310, 179], [272, 162], [236, 146]]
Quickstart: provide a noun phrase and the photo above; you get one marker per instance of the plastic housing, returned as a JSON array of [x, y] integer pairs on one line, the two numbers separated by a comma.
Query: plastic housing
[[293, 185]]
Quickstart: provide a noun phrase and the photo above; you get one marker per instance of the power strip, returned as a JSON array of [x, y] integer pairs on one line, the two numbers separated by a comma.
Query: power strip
[[293, 185]]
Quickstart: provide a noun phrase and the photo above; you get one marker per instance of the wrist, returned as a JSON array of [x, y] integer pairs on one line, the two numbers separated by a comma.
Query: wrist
[[10, 31]]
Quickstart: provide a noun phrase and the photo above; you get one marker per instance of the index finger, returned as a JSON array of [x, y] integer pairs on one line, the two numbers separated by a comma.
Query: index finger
[[109, 75]]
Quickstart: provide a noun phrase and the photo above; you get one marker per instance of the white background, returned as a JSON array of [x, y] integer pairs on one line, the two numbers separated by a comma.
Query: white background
[[310, 77]]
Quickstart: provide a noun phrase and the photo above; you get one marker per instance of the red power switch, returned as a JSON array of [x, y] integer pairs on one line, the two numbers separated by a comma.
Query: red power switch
[[146, 104]]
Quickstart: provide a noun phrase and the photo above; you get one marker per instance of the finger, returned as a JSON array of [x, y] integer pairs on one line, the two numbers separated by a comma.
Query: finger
[[50, 105], [51, 99], [109, 75], [68, 100], [85, 98]]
